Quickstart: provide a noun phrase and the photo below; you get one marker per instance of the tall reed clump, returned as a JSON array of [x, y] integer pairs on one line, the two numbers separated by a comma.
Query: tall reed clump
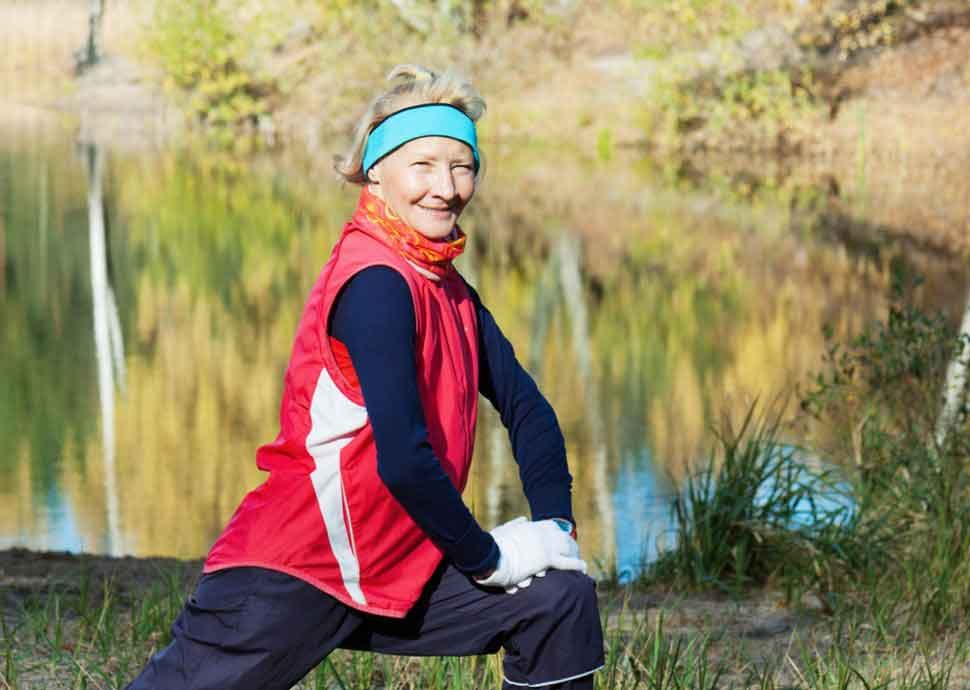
[[881, 398], [757, 514], [897, 545]]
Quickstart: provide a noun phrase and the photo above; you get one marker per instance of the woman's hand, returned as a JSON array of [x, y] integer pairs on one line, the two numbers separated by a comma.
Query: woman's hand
[[528, 549]]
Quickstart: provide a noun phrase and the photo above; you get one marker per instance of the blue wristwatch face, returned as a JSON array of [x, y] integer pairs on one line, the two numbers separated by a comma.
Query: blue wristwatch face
[[564, 525]]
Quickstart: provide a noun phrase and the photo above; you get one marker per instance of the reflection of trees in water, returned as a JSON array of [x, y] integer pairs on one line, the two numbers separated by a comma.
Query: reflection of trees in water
[[228, 260], [942, 275], [672, 331], [561, 285], [215, 280], [47, 359], [696, 315], [638, 336]]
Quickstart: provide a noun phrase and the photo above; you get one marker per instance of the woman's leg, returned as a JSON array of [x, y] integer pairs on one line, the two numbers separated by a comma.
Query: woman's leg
[[550, 630], [248, 628]]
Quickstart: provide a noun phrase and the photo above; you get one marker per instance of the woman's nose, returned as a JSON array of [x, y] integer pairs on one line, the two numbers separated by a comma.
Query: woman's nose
[[444, 184]]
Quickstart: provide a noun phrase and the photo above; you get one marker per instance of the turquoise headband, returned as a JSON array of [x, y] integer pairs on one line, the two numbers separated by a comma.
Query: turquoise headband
[[429, 120]]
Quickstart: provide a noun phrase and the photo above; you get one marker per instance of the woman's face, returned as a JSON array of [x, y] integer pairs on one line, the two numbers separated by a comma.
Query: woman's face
[[427, 182]]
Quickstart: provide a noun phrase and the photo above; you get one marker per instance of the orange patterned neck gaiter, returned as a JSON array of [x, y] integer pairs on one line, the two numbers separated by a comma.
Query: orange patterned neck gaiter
[[375, 218]]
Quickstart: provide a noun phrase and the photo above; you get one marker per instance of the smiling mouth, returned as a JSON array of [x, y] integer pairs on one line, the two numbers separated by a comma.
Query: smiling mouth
[[438, 211]]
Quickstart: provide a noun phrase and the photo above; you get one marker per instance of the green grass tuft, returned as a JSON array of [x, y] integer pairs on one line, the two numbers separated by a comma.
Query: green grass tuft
[[756, 514]]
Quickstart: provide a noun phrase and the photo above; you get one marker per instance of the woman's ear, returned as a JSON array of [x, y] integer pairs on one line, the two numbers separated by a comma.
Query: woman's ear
[[374, 181]]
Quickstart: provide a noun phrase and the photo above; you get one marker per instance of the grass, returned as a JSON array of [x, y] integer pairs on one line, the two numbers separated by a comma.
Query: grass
[[755, 514], [99, 634]]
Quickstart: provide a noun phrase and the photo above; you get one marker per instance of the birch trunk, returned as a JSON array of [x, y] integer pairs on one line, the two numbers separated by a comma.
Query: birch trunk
[[955, 386], [90, 53]]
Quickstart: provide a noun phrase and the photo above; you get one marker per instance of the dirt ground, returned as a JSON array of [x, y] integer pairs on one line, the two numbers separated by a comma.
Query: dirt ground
[[905, 126]]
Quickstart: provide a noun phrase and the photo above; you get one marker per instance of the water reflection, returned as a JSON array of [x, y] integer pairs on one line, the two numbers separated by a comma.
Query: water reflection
[[109, 342], [178, 276]]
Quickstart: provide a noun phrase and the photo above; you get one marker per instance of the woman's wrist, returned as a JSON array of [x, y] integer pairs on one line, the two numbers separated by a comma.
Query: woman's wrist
[[566, 526]]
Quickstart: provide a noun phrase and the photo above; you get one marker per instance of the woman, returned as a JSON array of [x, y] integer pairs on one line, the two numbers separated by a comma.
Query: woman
[[359, 538]]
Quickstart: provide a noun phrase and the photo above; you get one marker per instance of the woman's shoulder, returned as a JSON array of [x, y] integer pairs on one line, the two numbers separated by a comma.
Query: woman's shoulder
[[377, 281], [374, 300]]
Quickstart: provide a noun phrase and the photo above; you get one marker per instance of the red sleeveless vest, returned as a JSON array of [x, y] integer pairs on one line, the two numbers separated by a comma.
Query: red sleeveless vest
[[324, 515]]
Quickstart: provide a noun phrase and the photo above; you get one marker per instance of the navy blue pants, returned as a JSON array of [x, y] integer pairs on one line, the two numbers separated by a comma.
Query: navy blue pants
[[258, 629]]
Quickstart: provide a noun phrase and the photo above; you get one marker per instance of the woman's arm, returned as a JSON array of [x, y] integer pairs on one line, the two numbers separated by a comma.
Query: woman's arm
[[374, 318], [537, 440]]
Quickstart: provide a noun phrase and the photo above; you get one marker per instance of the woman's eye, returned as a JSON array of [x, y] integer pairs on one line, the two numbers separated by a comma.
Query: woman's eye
[[422, 164]]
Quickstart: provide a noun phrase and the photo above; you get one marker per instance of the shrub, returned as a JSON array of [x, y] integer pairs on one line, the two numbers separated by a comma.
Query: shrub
[[845, 28], [721, 83], [754, 110], [880, 395], [206, 55]]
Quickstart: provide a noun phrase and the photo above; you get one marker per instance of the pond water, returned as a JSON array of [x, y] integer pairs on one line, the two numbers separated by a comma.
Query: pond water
[[148, 300]]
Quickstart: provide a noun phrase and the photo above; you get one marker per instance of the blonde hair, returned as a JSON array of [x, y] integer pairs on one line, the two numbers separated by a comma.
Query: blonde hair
[[416, 86]]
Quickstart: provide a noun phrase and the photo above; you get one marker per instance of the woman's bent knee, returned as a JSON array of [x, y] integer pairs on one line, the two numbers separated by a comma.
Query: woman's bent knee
[[563, 593], [561, 638]]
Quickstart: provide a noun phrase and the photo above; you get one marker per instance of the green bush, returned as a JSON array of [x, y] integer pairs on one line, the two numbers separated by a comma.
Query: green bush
[[703, 93], [758, 110], [845, 28], [206, 56], [880, 397]]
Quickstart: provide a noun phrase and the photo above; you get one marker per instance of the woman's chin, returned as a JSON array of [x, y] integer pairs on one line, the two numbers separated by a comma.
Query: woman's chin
[[436, 231]]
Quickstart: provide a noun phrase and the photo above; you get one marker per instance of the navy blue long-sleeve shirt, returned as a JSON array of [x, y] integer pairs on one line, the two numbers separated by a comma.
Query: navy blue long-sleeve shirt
[[374, 318]]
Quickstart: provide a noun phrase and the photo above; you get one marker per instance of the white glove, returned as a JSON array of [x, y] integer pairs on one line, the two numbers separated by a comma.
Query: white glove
[[528, 549], [504, 527]]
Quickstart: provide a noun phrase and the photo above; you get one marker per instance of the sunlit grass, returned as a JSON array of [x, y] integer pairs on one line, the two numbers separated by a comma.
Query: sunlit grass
[[97, 634]]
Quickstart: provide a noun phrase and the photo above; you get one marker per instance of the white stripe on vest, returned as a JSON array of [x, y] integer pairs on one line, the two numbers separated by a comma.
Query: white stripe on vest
[[333, 421]]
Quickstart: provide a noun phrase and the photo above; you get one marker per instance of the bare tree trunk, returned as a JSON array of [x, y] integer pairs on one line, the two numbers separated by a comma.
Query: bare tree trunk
[[956, 382], [105, 321], [90, 53]]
